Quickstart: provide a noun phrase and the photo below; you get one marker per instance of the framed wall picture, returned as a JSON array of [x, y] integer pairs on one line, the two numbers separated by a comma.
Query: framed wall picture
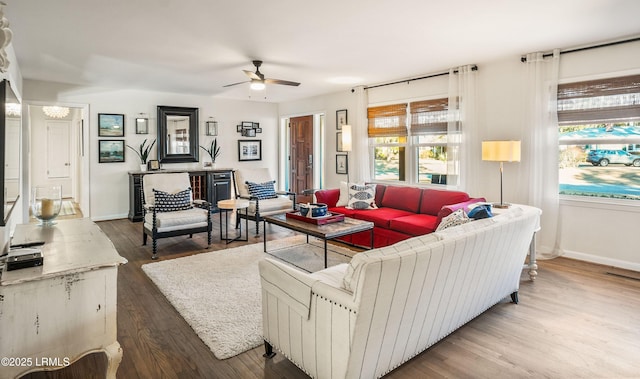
[[341, 118], [212, 128], [247, 125], [110, 125], [142, 125], [110, 151], [339, 141], [342, 164], [250, 150], [249, 133], [153, 164]]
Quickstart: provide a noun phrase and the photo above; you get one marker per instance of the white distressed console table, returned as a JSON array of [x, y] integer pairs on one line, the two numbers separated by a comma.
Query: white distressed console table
[[52, 315]]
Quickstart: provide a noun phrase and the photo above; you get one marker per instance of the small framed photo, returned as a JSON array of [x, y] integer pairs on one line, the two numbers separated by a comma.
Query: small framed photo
[[110, 151], [249, 133], [339, 141], [110, 125], [239, 128], [342, 164], [258, 130], [212, 128], [341, 118], [142, 125], [247, 125], [256, 125], [153, 165], [250, 150]]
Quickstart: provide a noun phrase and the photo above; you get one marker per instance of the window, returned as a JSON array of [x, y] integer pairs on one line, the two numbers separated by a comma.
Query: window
[[388, 128], [410, 138], [429, 130], [599, 138]]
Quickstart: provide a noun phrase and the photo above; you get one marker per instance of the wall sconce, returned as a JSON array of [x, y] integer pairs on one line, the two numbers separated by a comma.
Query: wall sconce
[[501, 151], [142, 124], [212, 127]]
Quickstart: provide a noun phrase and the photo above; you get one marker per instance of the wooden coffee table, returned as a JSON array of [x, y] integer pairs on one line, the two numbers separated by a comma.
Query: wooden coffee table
[[324, 232]]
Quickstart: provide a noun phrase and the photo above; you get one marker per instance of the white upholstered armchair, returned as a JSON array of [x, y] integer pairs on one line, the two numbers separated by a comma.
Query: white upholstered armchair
[[264, 200], [169, 209]]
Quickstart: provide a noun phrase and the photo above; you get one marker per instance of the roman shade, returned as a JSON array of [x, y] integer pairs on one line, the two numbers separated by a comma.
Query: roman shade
[[387, 120]]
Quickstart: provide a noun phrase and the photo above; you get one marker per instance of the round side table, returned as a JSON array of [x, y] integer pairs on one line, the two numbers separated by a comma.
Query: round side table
[[235, 206]]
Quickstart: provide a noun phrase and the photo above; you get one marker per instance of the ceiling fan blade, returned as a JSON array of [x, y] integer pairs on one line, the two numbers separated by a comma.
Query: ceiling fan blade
[[252, 75], [283, 82], [235, 84]]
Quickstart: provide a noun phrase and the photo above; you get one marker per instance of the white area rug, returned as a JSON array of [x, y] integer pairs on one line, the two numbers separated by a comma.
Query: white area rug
[[219, 294], [67, 208]]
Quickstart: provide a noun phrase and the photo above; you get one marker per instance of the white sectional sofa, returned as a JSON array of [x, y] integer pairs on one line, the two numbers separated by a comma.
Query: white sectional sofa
[[364, 319]]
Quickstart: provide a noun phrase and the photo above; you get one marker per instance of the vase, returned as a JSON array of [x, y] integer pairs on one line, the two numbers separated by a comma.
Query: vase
[[46, 202], [143, 167]]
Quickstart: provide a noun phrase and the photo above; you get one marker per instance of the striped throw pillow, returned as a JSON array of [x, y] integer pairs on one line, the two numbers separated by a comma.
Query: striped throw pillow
[[262, 191], [171, 202]]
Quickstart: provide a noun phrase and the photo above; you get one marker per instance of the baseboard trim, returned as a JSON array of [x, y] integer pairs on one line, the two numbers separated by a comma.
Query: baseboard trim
[[108, 218], [602, 260]]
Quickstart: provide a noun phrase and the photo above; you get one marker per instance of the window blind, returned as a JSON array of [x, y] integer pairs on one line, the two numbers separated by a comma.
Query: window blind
[[429, 116], [611, 100], [387, 120]]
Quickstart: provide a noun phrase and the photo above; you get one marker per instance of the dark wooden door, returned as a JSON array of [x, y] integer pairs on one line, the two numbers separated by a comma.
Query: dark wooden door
[[301, 149]]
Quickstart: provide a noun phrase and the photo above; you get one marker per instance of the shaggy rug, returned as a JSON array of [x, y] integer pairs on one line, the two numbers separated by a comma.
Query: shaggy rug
[[219, 295]]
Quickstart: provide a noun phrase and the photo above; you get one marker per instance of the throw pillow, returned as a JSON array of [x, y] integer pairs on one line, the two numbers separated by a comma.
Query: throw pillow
[[480, 211], [362, 196], [171, 202], [262, 191], [343, 200], [458, 217]]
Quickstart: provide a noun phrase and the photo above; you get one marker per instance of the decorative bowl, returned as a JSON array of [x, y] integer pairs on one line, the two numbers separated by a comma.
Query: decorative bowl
[[317, 209]]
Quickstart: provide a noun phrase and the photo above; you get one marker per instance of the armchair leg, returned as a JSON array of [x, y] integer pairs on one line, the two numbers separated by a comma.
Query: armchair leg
[[268, 350], [144, 238], [514, 297], [155, 249]]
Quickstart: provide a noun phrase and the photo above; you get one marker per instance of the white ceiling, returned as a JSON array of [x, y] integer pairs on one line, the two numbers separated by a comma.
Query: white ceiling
[[197, 46]]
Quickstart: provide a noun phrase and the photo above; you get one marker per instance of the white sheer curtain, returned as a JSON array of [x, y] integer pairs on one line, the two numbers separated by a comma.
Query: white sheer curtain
[[463, 146], [359, 157], [540, 147]]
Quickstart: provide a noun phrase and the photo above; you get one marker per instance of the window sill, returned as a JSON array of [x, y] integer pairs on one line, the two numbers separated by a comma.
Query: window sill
[[620, 205]]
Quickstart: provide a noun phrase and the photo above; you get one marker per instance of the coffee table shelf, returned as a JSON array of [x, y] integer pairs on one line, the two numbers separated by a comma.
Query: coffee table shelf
[[325, 232]]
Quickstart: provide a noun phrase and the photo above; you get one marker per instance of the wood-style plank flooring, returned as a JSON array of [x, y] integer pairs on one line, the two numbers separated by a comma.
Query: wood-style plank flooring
[[577, 320]]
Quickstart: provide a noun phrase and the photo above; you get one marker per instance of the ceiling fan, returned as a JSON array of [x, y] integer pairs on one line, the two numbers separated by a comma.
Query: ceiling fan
[[258, 80]]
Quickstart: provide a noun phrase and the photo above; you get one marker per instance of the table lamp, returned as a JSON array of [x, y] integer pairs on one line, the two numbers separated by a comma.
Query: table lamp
[[501, 151]]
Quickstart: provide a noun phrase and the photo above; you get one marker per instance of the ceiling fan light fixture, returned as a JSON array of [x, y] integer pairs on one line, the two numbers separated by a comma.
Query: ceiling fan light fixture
[[257, 85]]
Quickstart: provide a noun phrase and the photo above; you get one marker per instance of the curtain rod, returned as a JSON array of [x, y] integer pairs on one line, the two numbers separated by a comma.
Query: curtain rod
[[473, 68], [635, 39]]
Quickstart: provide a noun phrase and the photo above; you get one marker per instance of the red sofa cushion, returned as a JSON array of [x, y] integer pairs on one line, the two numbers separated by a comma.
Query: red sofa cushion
[[405, 198], [433, 200], [381, 216], [416, 224], [328, 196], [345, 211]]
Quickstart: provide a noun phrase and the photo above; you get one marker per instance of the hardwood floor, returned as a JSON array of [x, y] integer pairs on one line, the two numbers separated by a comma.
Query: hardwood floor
[[578, 320]]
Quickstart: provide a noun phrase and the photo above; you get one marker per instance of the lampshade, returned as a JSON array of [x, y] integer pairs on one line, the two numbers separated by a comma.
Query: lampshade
[[501, 151], [346, 138]]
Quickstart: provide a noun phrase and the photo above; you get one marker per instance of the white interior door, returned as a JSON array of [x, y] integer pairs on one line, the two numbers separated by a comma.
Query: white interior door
[[58, 152]]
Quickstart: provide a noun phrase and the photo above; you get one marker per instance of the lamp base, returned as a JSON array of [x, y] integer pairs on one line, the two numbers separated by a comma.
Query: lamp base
[[501, 205]]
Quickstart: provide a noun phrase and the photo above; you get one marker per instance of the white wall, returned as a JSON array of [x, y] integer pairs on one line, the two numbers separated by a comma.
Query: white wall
[[594, 230], [109, 198]]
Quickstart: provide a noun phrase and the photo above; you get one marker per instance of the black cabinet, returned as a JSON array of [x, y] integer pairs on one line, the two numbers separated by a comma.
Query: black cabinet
[[210, 185]]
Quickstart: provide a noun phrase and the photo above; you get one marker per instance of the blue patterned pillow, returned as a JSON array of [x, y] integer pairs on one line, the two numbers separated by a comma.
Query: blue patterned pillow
[[262, 191], [171, 202], [362, 197]]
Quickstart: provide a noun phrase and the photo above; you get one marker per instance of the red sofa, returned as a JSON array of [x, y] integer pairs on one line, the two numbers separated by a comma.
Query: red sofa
[[403, 212]]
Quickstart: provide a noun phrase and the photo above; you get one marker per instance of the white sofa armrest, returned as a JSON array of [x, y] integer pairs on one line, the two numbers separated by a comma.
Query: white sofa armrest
[[290, 285]]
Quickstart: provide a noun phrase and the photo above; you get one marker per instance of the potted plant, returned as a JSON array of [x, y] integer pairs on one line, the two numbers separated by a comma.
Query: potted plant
[[143, 153], [213, 151]]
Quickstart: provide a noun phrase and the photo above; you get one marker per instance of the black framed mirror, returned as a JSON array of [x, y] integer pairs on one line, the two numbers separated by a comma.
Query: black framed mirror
[[10, 126], [177, 134]]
